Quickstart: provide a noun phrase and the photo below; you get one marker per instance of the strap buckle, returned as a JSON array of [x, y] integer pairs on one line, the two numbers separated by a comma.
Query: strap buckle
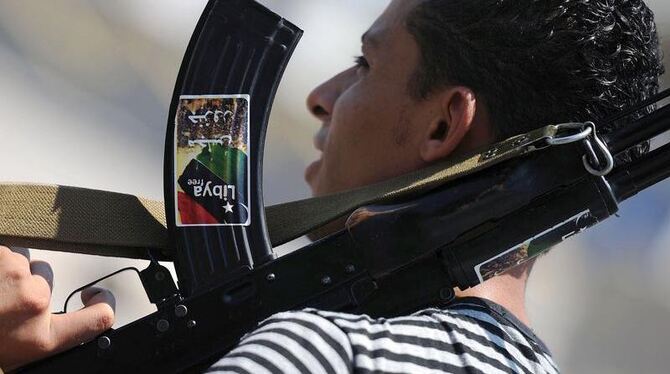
[[598, 160]]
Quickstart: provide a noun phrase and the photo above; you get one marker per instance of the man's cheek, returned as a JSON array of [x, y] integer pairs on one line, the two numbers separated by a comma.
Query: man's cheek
[[352, 133]]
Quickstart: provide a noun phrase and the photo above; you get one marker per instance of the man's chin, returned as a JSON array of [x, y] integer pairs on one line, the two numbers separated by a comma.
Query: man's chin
[[315, 186], [312, 188], [311, 173]]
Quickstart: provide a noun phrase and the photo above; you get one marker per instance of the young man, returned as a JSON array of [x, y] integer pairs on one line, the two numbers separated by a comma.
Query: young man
[[437, 78]]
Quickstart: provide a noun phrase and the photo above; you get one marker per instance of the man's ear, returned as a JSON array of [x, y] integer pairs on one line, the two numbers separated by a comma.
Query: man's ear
[[450, 125]]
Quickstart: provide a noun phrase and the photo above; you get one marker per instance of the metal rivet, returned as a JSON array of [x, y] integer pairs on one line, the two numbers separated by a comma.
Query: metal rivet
[[520, 141], [104, 342], [270, 277], [350, 269], [227, 298], [583, 221], [162, 325], [326, 280], [490, 153], [180, 310], [190, 324]]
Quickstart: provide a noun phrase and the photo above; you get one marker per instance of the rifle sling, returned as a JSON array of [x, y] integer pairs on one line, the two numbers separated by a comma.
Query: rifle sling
[[80, 220], [104, 223]]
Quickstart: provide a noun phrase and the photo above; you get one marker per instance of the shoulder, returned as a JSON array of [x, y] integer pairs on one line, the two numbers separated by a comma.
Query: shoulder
[[494, 334], [494, 318], [468, 334], [291, 342]]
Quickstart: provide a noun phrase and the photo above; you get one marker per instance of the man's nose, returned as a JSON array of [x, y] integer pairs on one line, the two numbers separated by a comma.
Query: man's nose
[[322, 99]]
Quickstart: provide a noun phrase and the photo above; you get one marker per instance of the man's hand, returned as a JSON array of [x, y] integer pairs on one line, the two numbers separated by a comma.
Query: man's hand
[[28, 330]]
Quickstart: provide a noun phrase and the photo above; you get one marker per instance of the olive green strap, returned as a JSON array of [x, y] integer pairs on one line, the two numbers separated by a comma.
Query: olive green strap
[[112, 224], [80, 220], [291, 220]]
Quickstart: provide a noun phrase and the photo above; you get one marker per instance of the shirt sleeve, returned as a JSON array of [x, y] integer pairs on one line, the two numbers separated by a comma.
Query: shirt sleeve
[[290, 342]]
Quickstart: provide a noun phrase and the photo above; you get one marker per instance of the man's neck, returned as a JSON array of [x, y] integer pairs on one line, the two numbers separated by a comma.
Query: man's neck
[[508, 290]]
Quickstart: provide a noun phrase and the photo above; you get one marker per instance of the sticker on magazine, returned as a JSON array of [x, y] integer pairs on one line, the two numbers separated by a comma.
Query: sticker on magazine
[[212, 161], [534, 246]]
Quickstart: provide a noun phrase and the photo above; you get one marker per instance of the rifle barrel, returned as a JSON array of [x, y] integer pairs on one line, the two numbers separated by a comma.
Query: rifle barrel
[[632, 178], [639, 131]]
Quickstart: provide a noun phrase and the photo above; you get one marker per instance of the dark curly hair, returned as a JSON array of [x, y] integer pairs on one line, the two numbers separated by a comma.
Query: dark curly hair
[[538, 62]]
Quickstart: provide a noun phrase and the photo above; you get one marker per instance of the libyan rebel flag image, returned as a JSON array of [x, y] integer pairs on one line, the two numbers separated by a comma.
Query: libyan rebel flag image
[[211, 160], [214, 188]]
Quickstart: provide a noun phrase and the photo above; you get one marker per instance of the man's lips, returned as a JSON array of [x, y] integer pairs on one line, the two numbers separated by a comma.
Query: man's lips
[[320, 138]]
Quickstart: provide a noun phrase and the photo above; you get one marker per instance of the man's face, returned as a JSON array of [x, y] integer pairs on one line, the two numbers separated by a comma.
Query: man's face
[[370, 126]]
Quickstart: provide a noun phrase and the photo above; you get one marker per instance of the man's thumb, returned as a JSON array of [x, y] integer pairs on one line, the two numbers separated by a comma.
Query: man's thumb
[[97, 316]]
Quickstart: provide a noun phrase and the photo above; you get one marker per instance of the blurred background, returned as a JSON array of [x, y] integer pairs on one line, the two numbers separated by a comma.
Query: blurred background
[[85, 89]]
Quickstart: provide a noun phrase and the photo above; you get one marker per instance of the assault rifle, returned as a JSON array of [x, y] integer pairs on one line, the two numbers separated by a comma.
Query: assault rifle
[[407, 242]]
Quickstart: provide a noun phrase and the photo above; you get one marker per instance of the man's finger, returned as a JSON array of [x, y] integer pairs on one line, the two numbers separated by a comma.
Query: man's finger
[[88, 293], [43, 269], [74, 328], [22, 251], [94, 295]]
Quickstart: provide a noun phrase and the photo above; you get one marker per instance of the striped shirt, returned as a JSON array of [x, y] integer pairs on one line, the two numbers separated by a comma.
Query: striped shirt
[[470, 335]]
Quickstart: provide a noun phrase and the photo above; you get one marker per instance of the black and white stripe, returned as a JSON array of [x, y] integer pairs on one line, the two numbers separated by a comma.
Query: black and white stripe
[[467, 337]]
